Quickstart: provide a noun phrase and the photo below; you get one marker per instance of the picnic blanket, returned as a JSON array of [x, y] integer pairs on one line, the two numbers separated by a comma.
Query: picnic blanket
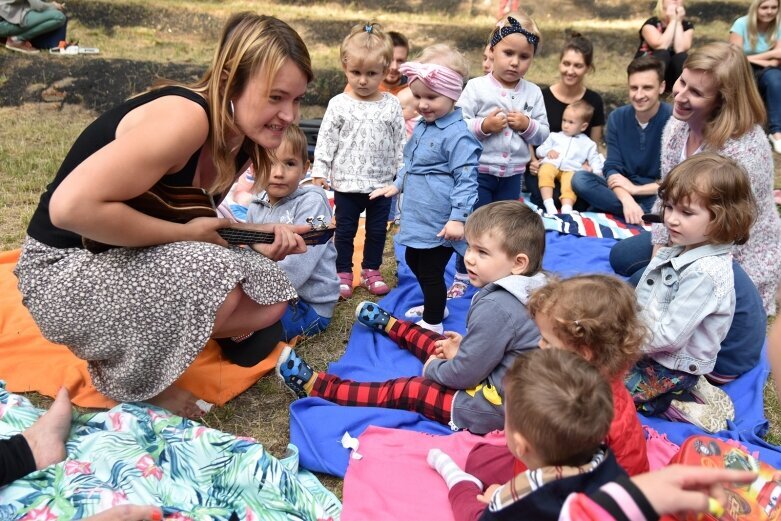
[[317, 426], [29, 362], [587, 224], [144, 455]]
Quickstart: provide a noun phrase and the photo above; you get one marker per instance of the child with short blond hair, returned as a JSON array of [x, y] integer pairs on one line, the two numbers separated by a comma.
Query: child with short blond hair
[[558, 409], [359, 149], [564, 153]]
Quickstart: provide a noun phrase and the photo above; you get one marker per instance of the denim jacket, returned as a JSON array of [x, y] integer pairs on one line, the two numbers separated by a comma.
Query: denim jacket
[[687, 302]]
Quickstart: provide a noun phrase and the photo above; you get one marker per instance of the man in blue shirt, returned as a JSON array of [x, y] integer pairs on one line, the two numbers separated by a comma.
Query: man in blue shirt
[[634, 140]]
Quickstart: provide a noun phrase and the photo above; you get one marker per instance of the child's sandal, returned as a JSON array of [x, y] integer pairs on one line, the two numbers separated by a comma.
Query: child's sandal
[[345, 285], [373, 281]]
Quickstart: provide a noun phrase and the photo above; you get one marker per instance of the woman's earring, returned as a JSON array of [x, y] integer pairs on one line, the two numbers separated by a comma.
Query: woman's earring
[[232, 111]]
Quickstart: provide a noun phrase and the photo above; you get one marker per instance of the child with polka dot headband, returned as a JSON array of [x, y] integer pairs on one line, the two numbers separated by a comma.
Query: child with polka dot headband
[[506, 113]]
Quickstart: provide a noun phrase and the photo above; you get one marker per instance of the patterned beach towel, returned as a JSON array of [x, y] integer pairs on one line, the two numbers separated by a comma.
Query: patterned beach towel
[[144, 455]]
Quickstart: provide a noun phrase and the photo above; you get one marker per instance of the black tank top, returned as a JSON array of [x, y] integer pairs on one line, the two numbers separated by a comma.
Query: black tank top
[[97, 135]]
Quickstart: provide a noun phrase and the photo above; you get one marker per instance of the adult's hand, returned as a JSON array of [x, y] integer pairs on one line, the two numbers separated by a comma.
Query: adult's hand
[[534, 166], [619, 181], [287, 241], [204, 229], [633, 212], [679, 488]]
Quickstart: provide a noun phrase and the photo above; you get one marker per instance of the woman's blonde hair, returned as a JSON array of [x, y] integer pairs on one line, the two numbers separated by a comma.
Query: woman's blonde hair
[[446, 56], [753, 30], [367, 41], [249, 43], [598, 316], [659, 10], [739, 105]]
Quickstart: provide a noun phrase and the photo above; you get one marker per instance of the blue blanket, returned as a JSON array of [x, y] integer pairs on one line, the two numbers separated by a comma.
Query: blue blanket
[[317, 426]]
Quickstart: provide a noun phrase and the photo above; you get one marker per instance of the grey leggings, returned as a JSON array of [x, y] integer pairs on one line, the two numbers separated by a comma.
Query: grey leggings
[[35, 23]]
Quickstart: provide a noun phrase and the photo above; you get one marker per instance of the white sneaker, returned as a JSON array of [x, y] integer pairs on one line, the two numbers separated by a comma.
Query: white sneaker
[[776, 143], [417, 312], [436, 328]]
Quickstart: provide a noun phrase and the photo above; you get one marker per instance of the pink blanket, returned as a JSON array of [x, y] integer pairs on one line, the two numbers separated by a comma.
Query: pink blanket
[[393, 480]]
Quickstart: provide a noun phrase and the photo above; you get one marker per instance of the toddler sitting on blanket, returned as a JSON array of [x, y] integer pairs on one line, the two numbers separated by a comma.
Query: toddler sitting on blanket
[[461, 384], [312, 273], [687, 292], [558, 412]]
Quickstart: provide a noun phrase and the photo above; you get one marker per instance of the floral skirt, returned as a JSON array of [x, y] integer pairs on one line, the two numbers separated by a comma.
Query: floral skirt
[[139, 316]]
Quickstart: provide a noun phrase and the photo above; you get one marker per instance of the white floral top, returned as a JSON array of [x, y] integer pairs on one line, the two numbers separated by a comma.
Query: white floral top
[[360, 144]]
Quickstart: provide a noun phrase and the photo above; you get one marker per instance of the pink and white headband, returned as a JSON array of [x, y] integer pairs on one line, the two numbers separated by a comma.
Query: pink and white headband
[[438, 78]]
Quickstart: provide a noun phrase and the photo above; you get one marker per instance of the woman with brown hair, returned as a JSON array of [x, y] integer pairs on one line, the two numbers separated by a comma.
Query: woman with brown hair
[[141, 312], [717, 108]]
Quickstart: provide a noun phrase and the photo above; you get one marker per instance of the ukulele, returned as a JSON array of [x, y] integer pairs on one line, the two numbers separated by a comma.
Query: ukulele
[[181, 204]]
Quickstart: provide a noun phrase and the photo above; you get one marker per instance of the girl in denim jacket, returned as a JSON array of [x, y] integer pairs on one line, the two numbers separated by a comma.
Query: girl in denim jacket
[[686, 293]]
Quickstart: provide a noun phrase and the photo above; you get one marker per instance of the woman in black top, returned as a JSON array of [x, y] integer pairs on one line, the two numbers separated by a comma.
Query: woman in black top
[[668, 37], [140, 313], [576, 60]]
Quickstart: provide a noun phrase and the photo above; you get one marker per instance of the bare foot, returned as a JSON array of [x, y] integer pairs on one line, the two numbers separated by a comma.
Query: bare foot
[[179, 402], [46, 437]]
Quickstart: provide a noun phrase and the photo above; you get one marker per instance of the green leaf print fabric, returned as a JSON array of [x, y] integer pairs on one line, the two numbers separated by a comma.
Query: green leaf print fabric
[[144, 455]]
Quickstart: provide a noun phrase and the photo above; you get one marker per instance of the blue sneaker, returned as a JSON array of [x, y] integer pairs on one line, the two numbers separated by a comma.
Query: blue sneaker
[[372, 316], [294, 371]]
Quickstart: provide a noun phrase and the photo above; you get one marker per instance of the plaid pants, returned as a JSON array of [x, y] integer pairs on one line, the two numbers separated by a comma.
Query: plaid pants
[[653, 387], [417, 394]]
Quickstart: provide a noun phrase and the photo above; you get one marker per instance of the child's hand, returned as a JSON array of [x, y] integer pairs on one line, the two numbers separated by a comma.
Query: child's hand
[[553, 154], [447, 348], [287, 241], [494, 122], [518, 121], [453, 230], [321, 181], [619, 181], [487, 494], [385, 191]]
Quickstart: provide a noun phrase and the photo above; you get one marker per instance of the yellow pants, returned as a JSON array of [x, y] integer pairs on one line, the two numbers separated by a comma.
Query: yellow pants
[[547, 176]]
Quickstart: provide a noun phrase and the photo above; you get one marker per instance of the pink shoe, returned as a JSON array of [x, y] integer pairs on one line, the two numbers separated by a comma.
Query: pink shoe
[[345, 285], [373, 281]]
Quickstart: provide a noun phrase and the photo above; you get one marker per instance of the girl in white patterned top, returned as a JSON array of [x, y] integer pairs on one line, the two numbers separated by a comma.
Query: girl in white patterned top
[[359, 149]]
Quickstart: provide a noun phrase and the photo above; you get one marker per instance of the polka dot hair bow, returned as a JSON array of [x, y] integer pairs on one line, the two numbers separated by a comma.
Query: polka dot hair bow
[[514, 27]]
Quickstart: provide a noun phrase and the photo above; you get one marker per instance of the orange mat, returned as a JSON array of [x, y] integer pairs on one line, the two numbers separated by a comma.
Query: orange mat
[[29, 362]]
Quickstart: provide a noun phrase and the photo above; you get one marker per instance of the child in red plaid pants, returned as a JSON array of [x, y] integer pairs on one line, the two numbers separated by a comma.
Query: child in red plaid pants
[[461, 381]]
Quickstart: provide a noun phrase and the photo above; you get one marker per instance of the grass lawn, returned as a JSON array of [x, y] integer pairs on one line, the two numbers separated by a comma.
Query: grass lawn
[[139, 41]]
